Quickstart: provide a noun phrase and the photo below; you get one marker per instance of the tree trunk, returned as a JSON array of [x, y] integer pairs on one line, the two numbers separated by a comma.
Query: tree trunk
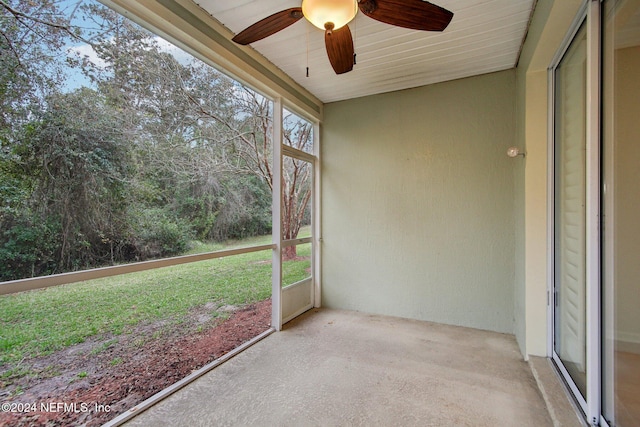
[[289, 253]]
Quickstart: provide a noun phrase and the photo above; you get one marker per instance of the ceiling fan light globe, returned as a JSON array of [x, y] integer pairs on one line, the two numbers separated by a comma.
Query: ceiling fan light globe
[[337, 12]]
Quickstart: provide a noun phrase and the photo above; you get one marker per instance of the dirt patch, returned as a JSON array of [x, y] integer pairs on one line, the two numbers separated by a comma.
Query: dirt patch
[[93, 382]]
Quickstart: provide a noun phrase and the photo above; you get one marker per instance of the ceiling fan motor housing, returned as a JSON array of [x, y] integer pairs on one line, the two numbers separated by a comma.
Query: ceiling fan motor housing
[[321, 13]]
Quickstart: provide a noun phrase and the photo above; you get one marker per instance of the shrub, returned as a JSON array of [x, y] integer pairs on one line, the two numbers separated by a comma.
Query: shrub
[[28, 249], [158, 233], [244, 211]]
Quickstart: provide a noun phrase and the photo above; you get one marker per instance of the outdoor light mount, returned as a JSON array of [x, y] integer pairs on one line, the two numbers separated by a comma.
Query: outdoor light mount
[[515, 152]]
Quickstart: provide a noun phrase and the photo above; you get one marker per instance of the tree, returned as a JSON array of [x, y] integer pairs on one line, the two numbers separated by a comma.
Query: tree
[[180, 152], [297, 181], [157, 150], [32, 34], [205, 129], [250, 132], [78, 156]]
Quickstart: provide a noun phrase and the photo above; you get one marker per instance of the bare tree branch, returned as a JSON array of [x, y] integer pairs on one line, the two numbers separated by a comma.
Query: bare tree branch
[[18, 15]]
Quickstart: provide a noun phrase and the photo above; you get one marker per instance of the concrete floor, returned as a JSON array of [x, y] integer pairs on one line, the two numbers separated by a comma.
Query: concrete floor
[[336, 368]]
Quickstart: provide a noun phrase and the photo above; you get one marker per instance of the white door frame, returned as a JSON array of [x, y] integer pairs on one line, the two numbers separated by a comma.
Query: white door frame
[[591, 12], [281, 299]]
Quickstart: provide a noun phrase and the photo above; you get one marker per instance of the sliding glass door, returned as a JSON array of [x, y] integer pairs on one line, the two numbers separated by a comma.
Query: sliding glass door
[[595, 194], [570, 210], [576, 210]]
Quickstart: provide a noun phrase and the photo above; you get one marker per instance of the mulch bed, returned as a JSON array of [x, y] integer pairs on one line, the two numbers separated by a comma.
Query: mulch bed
[[128, 371]]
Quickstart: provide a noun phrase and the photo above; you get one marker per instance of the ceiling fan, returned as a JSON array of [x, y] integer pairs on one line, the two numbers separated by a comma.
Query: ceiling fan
[[332, 16]]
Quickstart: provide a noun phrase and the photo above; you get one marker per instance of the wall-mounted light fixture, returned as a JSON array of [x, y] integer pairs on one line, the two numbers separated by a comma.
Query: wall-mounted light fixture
[[329, 14], [515, 152]]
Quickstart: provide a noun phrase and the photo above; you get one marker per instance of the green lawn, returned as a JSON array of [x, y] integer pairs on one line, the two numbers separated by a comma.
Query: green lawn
[[39, 322]]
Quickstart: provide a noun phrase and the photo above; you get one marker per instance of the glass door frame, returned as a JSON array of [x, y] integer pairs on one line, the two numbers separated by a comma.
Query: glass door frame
[[590, 404]]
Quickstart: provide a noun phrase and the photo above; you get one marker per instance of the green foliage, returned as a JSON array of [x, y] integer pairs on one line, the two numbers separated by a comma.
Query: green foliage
[[65, 188], [159, 233], [158, 151], [27, 249], [201, 212], [245, 211]]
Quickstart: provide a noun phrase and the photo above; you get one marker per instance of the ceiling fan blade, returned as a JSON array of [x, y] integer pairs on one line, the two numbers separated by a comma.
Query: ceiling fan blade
[[339, 45], [413, 14], [268, 26]]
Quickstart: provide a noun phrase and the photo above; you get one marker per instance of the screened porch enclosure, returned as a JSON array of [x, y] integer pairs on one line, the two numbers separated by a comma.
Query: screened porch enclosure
[[448, 283]]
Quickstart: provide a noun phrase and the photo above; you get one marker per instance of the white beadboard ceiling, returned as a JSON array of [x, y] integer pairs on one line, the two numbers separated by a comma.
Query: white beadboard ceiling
[[484, 36]]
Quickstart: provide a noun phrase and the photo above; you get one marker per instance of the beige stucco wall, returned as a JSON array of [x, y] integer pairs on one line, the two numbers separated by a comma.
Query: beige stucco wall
[[418, 203]]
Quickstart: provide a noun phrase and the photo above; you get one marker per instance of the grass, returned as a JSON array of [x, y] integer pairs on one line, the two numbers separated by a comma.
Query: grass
[[296, 270], [36, 323]]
